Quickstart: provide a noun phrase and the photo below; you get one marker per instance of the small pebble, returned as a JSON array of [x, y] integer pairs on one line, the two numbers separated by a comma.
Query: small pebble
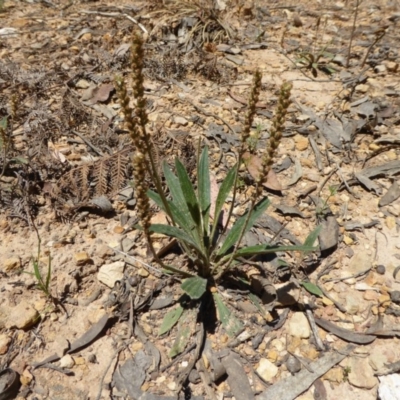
[[380, 269], [380, 69], [293, 365], [395, 296]]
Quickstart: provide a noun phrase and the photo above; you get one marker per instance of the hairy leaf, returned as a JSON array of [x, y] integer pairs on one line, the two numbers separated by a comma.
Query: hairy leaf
[[234, 233], [313, 289], [203, 189], [232, 325], [170, 319], [186, 329], [224, 191], [177, 215], [177, 195], [268, 249], [194, 287], [188, 192], [173, 231]]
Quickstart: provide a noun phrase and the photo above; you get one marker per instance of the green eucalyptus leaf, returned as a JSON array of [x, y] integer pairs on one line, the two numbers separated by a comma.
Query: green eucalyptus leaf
[[194, 287], [234, 234], [188, 192], [170, 319], [232, 325], [203, 188], [313, 289]]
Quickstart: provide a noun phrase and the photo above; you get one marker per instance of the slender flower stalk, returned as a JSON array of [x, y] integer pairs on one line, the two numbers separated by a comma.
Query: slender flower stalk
[[130, 121], [143, 160], [137, 63], [249, 118], [275, 135], [251, 110], [266, 164]]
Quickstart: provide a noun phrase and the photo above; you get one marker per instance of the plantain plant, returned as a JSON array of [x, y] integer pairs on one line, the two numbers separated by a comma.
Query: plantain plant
[[213, 248]]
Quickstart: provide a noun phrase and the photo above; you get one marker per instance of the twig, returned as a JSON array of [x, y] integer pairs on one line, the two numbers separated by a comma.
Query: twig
[[326, 269], [328, 296], [116, 353], [209, 114], [95, 149], [206, 379], [349, 277], [318, 342], [325, 180], [179, 357], [376, 244], [379, 35], [147, 266], [199, 346], [156, 271], [353, 29], [340, 174], [116, 15], [64, 371]]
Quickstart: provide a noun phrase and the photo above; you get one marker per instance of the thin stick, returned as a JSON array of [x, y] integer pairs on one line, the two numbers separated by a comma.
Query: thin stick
[[95, 149], [361, 273], [379, 35], [353, 29], [318, 342], [116, 353], [113, 15]]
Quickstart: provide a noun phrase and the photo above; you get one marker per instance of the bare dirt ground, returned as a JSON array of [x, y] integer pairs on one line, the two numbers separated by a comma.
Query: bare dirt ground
[[338, 166]]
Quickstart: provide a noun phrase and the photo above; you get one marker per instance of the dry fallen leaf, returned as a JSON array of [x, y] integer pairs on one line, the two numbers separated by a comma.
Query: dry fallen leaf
[[102, 93], [253, 165]]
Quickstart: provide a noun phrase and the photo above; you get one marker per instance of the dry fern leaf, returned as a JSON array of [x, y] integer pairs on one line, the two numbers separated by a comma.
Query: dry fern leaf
[[105, 176], [119, 167]]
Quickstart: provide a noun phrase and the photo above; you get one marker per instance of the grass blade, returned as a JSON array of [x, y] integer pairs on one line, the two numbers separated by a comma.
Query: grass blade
[[48, 277], [312, 237]]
